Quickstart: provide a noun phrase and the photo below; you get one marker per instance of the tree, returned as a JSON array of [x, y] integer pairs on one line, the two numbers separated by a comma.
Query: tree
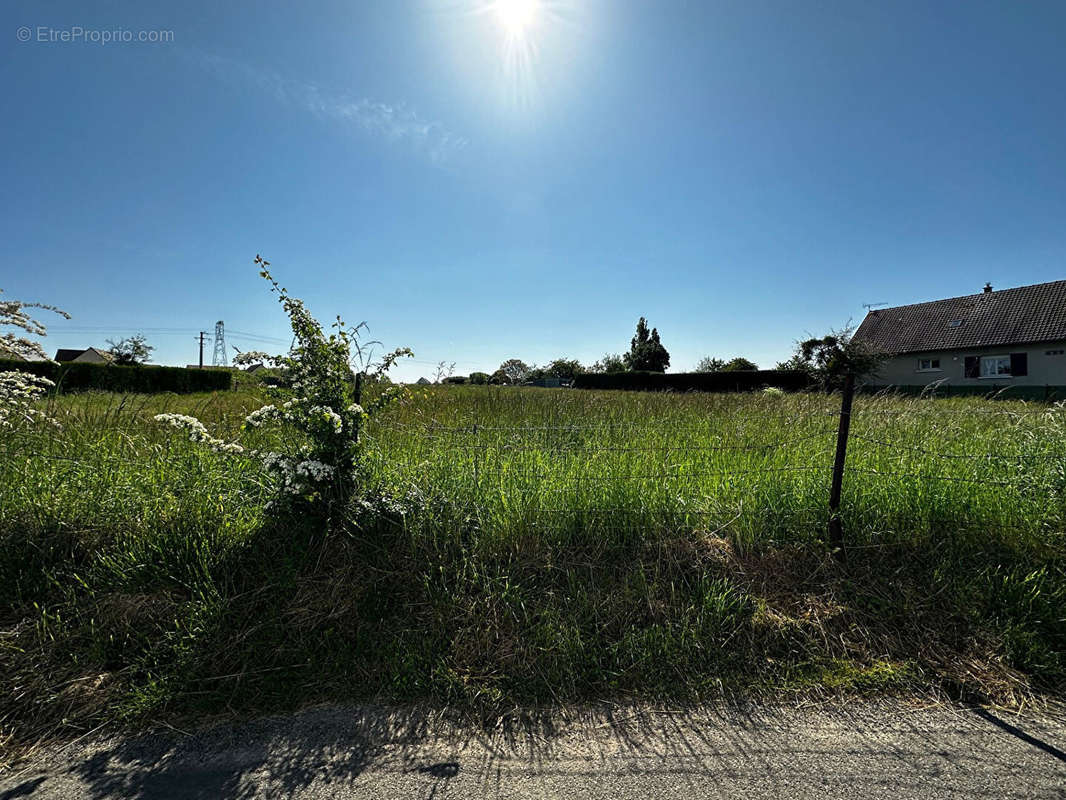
[[793, 363], [829, 358], [563, 368], [480, 378], [646, 352], [611, 362], [514, 371], [131, 350], [709, 364], [739, 364]]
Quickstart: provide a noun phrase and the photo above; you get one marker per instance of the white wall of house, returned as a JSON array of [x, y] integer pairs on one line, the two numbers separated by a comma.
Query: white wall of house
[[1046, 367]]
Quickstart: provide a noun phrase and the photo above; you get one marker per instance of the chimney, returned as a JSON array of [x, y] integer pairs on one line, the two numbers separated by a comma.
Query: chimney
[[988, 288]]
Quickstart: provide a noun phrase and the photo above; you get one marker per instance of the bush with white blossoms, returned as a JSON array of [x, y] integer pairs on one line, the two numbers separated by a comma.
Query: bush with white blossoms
[[19, 391], [322, 405]]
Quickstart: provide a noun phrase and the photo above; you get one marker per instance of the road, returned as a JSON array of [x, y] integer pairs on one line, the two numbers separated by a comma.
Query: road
[[854, 751]]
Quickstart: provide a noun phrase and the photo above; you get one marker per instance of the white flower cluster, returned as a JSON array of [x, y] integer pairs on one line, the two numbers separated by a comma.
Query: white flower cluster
[[262, 415], [315, 470], [330, 416], [18, 392], [198, 433], [296, 477]]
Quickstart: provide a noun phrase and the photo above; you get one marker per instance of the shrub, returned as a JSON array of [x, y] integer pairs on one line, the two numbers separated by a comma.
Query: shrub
[[80, 377], [739, 381], [324, 407]]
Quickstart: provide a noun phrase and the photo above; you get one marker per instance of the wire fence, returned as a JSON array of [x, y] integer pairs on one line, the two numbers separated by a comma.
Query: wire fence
[[751, 460], [778, 464]]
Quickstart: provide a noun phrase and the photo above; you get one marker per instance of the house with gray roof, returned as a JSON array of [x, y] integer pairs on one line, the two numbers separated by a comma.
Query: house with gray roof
[[979, 342], [89, 355]]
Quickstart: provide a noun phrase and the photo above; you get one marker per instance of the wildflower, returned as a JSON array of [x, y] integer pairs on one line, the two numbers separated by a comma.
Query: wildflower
[[18, 392]]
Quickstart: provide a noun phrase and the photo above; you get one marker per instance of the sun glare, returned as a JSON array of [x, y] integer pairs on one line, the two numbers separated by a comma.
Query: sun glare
[[516, 15]]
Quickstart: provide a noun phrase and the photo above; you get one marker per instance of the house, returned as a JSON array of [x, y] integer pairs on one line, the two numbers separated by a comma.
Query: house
[[977, 343], [89, 355]]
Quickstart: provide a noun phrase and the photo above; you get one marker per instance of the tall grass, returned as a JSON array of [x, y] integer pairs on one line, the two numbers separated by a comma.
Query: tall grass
[[525, 546]]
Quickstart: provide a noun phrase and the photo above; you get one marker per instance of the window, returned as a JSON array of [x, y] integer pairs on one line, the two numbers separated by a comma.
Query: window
[[995, 366], [1054, 352], [928, 364], [955, 323]]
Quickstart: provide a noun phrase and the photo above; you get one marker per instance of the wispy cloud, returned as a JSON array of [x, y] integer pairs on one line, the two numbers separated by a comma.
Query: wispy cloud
[[394, 122]]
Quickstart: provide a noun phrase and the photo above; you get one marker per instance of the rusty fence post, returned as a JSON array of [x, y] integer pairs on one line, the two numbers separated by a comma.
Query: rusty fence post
[[836, 527]]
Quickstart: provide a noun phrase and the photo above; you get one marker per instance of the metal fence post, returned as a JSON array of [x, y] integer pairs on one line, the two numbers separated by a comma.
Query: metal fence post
[[836, 528]]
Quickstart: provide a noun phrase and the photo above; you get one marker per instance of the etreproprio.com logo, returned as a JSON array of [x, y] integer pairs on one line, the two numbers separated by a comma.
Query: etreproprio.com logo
[[76, 34]]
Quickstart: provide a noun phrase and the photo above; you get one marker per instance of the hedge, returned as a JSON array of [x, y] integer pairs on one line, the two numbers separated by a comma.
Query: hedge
[[80, 377], [740, 381]]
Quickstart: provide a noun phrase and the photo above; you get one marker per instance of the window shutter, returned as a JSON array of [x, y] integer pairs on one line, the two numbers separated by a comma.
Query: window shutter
[[973, 367], [1019, 364]]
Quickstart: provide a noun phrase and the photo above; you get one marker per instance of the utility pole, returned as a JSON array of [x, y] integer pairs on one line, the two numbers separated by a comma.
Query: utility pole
[[202, 335]]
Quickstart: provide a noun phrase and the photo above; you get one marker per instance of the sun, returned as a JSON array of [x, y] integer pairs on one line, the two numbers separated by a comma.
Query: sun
[[516, 15]]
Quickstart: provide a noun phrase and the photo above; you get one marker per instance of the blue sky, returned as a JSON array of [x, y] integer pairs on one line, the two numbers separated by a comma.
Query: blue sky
[[741, 173]]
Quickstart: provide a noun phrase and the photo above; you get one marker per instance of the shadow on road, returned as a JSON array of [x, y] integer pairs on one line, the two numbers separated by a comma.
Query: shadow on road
[[1050, 749], [832, 752]]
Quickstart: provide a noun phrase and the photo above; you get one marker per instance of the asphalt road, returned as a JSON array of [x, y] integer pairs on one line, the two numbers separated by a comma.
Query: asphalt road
[[890, 751]]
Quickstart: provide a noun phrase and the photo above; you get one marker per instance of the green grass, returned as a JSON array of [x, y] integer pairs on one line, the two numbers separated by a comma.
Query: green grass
[[525, 546]]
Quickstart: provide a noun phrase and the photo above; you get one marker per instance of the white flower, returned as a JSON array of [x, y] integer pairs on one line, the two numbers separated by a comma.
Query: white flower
[[18, 392], [315, 470], [198, 433], [261, 415]]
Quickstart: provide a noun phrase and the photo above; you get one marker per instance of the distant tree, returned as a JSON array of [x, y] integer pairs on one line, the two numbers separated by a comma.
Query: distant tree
[[646, 352], [829, 358], [708, 364], [479, 378], [611, 362], [794, 363], [131, 350], [515, 370], [739, 364], [499, 378], [456, 379], [563, 368]]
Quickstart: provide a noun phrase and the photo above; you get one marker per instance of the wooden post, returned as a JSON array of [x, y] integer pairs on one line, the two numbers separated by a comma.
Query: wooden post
[[836, 528], [358, 397]]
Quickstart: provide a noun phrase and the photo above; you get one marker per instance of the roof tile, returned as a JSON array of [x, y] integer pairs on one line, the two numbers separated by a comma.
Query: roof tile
[[1010, 316]]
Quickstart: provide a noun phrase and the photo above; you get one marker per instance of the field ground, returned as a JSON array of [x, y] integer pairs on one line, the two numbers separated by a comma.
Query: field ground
[[521, 547]]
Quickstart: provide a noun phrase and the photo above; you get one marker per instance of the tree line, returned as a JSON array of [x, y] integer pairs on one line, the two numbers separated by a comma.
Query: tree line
[[822, 357]]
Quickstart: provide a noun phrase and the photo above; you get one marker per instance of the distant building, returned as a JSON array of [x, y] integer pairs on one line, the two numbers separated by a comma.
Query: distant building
[[990, 340], [423, 382], [90, 355], [551, 383]]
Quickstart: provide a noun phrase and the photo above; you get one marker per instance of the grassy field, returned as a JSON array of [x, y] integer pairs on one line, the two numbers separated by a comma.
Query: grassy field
[[519, 547]]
